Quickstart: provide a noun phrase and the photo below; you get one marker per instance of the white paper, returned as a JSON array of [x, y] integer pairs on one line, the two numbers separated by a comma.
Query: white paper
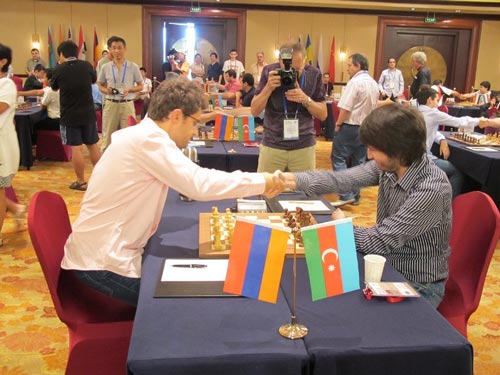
[[215, 270], [482, 149], [309, 206]]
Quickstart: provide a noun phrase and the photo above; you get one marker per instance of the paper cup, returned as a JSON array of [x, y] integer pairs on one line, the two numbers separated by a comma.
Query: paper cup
[[374, 267]]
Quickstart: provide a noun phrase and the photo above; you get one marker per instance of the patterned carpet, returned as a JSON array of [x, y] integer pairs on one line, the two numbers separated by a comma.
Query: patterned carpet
[[33, 340]]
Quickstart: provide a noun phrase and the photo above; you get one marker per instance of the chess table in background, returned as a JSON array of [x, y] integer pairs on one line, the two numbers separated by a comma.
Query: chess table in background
[[476, 139], [206, 249]]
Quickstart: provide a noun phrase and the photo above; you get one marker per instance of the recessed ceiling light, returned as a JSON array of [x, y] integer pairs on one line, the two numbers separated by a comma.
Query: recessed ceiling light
[[457, 10], [412, 8]]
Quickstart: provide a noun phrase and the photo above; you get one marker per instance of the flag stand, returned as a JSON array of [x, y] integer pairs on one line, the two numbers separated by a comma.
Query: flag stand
[[293, 330]]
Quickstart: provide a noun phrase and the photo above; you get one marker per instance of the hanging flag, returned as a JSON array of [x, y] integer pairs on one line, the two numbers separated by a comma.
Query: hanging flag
[[256, 260], [50, 48], [216, 100], [82, 47], [246, 128], [331, 66], [223, 129], [319, 63], [331, 258], [97, 49], [60, 35], [70, 33], [309, 51]]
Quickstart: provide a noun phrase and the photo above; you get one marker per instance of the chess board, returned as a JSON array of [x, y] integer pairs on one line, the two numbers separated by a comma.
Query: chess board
[[471, 140], [206, 249]]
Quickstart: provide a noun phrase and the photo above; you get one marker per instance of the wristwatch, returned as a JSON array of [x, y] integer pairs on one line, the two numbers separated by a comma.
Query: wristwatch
[[307, 103]]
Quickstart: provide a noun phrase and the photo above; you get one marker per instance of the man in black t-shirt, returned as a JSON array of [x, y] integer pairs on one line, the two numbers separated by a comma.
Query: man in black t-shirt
[[214, 69], [74, 79]]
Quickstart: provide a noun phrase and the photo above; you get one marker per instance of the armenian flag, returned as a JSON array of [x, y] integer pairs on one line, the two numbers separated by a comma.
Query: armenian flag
[[246, 128], [331, 258], [256, 260], [223, 129]]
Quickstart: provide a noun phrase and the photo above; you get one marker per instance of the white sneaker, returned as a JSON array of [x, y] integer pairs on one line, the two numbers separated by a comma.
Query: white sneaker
[[340, 202]]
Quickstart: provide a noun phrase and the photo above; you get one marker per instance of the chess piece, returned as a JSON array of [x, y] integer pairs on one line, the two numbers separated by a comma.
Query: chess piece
[[217, 243]]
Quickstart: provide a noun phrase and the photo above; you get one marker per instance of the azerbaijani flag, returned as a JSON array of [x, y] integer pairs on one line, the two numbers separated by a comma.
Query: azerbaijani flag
[[331, 258], [223, 130], [216, 100], [256, 260], [246, 128]]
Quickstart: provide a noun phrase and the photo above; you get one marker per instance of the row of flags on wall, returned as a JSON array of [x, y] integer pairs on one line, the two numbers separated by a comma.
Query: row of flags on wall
[[257, 257], [320, 55], [82, 46]]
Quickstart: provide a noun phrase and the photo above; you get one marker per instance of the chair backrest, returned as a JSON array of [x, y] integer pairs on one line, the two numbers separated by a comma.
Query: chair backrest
[[131, 121], [49, 227], [474, 236]]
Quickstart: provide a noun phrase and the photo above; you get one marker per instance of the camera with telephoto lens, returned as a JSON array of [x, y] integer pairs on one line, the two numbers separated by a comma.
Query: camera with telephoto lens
[[117, 91], [288, 74]]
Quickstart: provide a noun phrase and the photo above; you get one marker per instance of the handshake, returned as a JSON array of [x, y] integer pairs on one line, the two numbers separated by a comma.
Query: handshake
[[278, 182], [494, 123]]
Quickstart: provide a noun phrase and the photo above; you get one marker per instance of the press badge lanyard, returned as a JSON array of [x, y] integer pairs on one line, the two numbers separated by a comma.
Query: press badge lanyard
[[124, 71], [291, 126]]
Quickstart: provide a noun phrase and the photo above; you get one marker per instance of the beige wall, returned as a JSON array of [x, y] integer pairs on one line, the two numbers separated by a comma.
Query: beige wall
[[18, 19], [265, 31], [268, 30]]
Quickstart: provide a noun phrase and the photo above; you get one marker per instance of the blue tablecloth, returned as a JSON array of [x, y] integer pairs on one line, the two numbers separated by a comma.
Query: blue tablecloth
[[25, 119], [229, 156], [347, 334]]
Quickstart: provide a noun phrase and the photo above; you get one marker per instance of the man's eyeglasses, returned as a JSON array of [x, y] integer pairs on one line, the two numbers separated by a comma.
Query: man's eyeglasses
[[196, 120]]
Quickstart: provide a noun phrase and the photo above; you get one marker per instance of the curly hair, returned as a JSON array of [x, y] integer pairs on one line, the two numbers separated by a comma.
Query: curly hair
[[176, 93], [395, 130]]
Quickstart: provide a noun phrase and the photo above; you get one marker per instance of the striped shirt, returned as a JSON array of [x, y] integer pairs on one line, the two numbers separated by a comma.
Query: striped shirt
[[360, 97], [413, 215]]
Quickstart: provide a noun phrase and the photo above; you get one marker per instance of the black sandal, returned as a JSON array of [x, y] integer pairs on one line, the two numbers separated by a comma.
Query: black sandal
[[82, 186]]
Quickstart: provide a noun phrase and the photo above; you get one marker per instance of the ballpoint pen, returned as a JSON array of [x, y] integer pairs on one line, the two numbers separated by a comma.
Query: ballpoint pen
[[195, 265]]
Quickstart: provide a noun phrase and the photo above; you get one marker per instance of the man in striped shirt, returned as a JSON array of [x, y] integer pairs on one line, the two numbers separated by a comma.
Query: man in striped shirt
[[414, 199]]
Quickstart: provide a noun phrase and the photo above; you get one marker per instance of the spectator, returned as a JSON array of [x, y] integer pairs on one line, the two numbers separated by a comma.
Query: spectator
[[34, 61], [423, 75], [214, 70], [233, 64], [359, 99], [391, 82], [9, 146], [73, 78], [119, 81]]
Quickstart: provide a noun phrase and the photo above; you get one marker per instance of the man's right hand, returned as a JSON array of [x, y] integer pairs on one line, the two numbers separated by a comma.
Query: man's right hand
[[273, 80]]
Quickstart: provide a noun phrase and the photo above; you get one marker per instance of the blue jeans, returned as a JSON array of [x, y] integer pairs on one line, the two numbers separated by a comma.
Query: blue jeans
[[347, 146], [455, 177], [432, 292], [120, 287]]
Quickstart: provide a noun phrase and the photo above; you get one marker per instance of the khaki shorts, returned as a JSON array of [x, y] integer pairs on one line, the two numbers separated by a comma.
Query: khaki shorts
[[271, 159]]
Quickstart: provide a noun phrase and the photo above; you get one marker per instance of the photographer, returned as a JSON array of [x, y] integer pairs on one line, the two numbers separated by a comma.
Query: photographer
[[291, 93]]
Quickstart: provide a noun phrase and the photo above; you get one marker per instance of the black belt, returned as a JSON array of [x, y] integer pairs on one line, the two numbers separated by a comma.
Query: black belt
[[120, 100]]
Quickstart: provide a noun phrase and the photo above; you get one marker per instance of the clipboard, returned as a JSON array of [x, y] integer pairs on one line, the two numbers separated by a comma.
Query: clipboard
[[186, 288], [275, 204]]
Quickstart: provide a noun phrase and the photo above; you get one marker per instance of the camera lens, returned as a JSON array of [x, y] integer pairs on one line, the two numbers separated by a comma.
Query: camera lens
[[287, 80]]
